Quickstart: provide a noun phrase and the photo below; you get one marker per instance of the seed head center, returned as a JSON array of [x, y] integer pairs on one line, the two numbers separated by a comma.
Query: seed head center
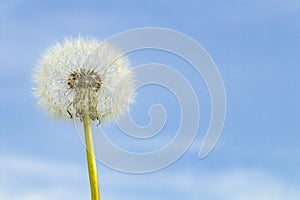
[[84, 79], [85, 83]]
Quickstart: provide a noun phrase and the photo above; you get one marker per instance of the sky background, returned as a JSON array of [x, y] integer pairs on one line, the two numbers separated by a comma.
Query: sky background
[[255, 45]]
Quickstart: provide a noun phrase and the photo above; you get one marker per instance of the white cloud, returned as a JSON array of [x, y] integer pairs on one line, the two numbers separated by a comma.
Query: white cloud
[[53, 193], [27, 178], [235, 184], [244, 184], [39, 167]]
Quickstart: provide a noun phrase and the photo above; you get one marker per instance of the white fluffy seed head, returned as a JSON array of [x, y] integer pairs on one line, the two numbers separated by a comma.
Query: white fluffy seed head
[[84, 76]]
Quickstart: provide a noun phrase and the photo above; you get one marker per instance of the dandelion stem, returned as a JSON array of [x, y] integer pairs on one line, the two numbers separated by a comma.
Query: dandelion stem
[[91, 158]]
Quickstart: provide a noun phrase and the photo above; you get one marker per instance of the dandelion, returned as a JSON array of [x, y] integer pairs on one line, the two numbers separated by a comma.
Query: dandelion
[[87, 80]]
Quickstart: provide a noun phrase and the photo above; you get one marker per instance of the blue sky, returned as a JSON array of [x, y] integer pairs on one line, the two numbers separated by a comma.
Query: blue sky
[[255, 45]]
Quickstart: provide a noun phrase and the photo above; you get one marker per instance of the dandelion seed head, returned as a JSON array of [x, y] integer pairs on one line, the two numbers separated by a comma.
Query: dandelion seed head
[[84, 76]]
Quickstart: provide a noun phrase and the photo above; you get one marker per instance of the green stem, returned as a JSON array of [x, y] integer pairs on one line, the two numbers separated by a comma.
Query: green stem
[[91, 158]]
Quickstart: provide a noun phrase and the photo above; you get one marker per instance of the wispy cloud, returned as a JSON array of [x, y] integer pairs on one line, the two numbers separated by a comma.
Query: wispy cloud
[[37, 179], [234, 184], [28, 178]]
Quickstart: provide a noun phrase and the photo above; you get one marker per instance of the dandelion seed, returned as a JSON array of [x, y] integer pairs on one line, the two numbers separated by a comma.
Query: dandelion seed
[[83, 76]]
